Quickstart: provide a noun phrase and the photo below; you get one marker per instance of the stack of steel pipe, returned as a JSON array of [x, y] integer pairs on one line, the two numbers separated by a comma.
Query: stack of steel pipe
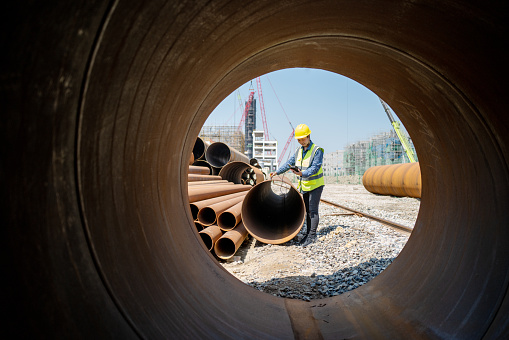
[[211, 197]]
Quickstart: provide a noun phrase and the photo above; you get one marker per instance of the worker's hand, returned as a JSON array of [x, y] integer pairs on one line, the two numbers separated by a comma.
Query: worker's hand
[[298, 173], [272, 174]]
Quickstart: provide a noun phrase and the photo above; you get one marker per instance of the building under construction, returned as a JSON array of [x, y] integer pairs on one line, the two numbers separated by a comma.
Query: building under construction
[[250, 126], [225, 134], [381, 149]]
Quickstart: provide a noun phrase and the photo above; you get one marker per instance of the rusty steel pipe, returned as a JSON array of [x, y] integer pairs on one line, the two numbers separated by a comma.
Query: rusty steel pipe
[[210, 235], [219, 154], [228, 219], [208, 214], [198, 183], [97, 131], [396, 180], [198, 170], [199, 226], [199, 149], [234, 171], [213, 170], [197, 177], [273, 211], [197, 205], [202, 192], [228, 244]]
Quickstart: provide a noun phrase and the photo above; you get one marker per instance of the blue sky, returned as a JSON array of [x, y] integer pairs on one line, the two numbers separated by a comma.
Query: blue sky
[[337, 109]]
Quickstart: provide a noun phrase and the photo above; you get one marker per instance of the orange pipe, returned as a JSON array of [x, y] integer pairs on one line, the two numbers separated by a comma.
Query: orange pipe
[[198, 225], [395, 180], [200, 170], [228, 244], [196, 206], [222, 181], [208, 214], [210, 235], [202, 192], [228, 219], [198, 177]]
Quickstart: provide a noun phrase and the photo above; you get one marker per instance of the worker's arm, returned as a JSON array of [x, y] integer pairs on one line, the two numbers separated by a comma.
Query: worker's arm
[[315, 165], [285, 167]]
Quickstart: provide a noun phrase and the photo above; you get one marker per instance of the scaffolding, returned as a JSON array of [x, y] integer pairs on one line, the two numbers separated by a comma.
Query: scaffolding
[[225, 134], [381, 149]]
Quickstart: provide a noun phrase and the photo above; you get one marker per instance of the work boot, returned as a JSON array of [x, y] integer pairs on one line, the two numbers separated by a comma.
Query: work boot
[[305, 234], [310, 238], [310, 234]]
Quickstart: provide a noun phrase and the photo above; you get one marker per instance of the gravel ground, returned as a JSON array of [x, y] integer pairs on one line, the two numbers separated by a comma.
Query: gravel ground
[[348, 252]]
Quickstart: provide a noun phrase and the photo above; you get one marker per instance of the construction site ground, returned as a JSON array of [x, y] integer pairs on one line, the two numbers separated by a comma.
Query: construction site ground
[[349, 251]]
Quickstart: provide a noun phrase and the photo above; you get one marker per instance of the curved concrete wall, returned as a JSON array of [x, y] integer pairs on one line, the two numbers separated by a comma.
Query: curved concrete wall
[[102, 103]]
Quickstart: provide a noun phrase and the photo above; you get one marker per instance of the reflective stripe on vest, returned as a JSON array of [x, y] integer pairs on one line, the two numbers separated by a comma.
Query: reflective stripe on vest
[[314, 181]]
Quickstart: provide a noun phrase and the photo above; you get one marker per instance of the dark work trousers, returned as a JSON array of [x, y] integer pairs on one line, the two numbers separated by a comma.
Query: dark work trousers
[[311, 201]]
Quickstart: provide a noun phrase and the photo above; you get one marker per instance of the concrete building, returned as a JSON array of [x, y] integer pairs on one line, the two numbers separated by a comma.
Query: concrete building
[[265, 151]]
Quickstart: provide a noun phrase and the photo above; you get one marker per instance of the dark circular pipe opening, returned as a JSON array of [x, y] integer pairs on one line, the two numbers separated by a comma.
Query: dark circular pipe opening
[[218, 154], [226, 221], [207, 240], [206, 216], [224, 248], [199, 149], [273, 212]]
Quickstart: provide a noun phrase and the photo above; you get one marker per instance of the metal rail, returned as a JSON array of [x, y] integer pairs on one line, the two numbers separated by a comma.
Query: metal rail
[[394, 225]]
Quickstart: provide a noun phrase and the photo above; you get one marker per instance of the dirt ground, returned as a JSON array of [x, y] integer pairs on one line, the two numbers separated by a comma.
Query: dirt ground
[[290, 267]]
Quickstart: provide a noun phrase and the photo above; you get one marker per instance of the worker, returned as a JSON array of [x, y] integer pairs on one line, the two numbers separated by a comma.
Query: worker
[[308, 160]]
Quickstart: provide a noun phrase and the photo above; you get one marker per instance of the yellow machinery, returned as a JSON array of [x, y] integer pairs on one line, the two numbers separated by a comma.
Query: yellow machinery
[[395, 124]]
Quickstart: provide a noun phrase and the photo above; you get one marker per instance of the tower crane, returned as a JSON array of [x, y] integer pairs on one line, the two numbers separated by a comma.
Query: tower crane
[[401, 135]]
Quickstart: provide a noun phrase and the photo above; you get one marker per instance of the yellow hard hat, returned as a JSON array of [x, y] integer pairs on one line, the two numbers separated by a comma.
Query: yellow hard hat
[[302, 131]]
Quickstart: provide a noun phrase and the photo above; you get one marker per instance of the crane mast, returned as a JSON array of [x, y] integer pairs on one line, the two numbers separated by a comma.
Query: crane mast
[[402, 138]]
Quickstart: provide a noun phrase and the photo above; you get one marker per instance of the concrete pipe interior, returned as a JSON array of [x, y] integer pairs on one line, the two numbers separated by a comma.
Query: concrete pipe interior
[[103, 104]]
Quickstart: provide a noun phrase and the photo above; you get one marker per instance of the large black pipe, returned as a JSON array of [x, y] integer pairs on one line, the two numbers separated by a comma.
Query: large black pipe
[[273, 211], [199, 149], [219, 154], [101, 105]]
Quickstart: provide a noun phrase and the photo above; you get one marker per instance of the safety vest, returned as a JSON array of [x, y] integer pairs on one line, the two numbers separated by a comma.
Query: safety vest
[[314, 181]]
